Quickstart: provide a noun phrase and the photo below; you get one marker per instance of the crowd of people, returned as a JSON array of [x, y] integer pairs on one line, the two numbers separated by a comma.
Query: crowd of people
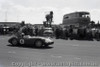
[[78, 33], [70, 32]]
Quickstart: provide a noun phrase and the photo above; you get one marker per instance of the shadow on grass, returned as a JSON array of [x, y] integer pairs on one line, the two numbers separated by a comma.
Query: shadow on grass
[[32, 47]]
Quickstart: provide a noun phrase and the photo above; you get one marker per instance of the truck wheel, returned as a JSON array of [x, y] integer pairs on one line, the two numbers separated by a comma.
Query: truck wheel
[[38, 43]]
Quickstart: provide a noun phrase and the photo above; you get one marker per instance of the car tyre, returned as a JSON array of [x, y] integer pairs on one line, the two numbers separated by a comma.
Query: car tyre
[[14, 42], [38, 43], [46, 45]]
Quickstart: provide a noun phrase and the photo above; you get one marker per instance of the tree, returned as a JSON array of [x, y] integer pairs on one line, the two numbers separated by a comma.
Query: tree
[[92, 23]]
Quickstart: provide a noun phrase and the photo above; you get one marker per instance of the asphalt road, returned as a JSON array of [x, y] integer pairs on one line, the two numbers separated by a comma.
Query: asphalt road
[[68, 53]]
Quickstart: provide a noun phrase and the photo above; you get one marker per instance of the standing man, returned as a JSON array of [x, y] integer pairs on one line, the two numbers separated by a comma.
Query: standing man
[[49, 18], [36, 31], [70, 32]]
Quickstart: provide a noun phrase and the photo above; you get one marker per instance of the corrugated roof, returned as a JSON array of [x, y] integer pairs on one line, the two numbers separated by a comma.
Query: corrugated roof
[[9, 22], [81, 12]]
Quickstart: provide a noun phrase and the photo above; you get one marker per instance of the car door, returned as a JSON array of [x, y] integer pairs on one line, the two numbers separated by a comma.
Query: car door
[[29, 40]]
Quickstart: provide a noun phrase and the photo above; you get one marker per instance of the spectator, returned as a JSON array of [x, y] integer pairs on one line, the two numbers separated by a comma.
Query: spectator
[[36, 31], [57, 33], [66, 34]]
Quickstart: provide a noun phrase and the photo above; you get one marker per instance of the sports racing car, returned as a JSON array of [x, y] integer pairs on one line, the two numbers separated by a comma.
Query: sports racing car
[[36, 41]]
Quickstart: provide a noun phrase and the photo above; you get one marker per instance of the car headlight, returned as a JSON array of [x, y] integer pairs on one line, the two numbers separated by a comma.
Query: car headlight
[[48, 40]]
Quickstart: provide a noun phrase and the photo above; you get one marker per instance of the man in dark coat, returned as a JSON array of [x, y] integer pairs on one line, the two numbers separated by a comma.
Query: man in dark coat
[[57, 33]]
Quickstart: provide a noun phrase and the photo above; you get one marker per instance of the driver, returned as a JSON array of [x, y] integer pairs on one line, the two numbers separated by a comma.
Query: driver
[[25, 30]]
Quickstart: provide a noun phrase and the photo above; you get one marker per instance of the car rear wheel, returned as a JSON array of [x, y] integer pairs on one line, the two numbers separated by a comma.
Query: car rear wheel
[[14, 42], [38, 43]]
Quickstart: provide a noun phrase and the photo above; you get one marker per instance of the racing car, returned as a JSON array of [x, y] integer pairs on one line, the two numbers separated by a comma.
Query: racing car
[[36, 41]]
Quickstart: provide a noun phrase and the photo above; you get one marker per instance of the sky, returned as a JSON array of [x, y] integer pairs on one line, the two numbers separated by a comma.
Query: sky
[[34, 11]]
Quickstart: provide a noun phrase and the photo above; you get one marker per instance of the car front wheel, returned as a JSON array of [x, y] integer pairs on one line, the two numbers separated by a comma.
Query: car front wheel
[[38, 43], [46, 45], [14, 42]]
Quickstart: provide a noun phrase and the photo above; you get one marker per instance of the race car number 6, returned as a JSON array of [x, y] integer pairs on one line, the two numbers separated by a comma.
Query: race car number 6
[[21, 41]]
